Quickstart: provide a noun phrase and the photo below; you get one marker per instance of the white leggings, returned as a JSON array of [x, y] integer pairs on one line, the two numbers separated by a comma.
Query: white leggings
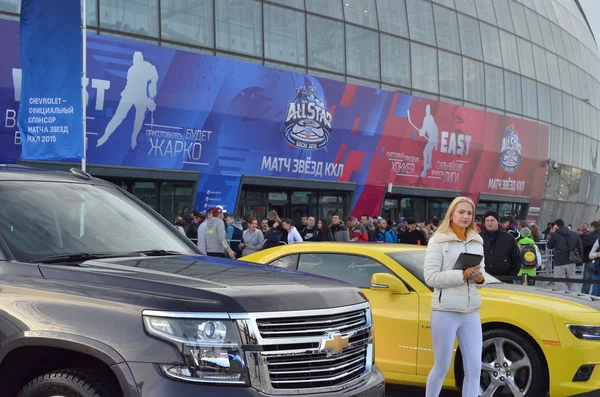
[[444, 328]]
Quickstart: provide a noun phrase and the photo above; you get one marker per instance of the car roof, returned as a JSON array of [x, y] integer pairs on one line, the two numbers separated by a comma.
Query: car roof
[[12, 172], [350, 247]]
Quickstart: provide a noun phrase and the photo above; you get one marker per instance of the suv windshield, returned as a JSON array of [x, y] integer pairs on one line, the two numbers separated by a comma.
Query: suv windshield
[[413, 262], [44, 219]]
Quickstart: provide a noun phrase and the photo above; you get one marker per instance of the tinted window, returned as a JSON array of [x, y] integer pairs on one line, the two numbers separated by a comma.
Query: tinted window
[[188, 22], [326, 44], [284, 35], [239, 26], [39, 219], [288, 262], [138, 17], [353, 269]]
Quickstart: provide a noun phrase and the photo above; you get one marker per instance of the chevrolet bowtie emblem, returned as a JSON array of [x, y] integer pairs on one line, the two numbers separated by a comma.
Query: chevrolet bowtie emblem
[[335, 343]]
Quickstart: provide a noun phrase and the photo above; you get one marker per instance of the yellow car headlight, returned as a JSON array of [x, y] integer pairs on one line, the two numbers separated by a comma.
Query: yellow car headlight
[[590, 332]]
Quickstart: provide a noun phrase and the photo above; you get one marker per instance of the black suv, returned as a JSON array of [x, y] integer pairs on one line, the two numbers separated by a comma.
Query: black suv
[[100, 296]]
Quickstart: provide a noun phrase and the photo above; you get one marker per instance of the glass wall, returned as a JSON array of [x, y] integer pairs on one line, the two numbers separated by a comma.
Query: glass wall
[[420, 208], [257, 201], [168, 198]]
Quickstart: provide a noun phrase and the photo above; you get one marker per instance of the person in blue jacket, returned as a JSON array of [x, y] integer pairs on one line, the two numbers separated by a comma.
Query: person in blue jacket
[[385, 234]]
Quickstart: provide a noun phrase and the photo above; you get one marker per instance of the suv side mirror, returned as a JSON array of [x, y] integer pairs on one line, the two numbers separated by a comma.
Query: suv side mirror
[[388, 282]]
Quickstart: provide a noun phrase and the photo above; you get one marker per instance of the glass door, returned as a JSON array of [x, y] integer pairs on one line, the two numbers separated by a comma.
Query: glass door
[[414, 207], [391, 210], [303, 204], [148, 193], [436, 208], [168, 198], [174, 198], [259, 200], [518, 210], [332, 203]]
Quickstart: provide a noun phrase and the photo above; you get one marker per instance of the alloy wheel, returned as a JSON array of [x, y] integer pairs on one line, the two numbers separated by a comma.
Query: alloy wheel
[[506, 369]]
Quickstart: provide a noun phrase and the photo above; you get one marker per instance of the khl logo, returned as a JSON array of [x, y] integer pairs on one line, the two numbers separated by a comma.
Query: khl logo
[[510, 154], [308, 121]]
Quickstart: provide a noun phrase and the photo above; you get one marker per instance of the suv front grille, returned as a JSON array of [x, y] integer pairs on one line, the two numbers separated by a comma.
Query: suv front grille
[[311, 326], [309, 352], [316, 369]]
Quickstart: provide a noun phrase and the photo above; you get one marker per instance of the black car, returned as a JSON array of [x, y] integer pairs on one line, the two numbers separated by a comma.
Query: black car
[[100, 296]]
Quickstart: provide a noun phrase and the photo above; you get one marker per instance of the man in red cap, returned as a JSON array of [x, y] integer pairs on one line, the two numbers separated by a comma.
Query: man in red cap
[[216, 237]]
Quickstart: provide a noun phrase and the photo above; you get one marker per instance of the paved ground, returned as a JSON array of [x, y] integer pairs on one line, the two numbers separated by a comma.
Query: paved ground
[[404, 391]]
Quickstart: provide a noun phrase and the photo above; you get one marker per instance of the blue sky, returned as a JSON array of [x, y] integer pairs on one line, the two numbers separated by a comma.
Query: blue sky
[[592, 12]]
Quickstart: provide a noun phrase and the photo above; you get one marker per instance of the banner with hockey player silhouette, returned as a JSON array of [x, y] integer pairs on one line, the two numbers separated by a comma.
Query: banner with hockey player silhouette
[[162, 108]]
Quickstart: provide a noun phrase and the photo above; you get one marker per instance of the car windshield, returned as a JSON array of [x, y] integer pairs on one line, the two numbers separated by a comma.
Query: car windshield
[[413, 262], [44, 219]]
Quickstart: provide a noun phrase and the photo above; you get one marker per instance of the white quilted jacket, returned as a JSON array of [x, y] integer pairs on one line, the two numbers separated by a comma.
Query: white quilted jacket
[[450, 291]]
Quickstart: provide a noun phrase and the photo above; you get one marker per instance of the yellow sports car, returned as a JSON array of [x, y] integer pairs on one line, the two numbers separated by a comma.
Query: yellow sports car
[[535, 340]]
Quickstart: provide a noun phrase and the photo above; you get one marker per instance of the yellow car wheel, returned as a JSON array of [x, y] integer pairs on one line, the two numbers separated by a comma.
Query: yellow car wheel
[[512, 366]]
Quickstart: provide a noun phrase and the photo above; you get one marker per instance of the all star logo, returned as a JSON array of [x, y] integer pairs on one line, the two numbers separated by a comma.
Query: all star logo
[[307, 121], [511, 152]]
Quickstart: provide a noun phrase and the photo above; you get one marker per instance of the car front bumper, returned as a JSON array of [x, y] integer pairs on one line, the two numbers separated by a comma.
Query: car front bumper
[[151, 382], [563, 369]]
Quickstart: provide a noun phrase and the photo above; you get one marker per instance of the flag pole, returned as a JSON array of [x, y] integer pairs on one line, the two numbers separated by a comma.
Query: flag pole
[[83, 79]]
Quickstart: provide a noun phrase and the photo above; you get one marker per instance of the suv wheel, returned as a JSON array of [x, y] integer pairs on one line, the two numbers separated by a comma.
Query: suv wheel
[[68, 383]]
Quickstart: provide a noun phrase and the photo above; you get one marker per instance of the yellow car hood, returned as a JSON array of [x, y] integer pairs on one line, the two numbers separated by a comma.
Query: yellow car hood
[[538, 296]]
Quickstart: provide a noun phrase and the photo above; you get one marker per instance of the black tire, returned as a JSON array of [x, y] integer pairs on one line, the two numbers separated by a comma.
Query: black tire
[[533, 378], [69, 383]]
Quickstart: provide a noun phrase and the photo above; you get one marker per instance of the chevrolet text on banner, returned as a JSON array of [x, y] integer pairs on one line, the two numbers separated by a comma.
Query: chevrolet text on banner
[[50, 112]]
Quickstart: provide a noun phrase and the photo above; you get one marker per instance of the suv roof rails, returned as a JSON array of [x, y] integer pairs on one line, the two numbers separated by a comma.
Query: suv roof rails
[[15, 166]]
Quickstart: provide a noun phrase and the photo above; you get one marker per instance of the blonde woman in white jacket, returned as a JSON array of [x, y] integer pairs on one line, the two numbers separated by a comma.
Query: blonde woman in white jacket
[[456, 301]]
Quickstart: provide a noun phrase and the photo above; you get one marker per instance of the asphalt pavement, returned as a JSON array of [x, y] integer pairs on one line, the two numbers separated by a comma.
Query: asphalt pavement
[[405, 391]]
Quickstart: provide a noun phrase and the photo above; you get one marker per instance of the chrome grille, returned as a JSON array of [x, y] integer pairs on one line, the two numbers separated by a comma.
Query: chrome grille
[[311, 326], [295, 353], [316, 370]]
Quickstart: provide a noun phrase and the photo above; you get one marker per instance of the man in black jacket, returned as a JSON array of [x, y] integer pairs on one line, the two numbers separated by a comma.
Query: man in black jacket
[[502, 256], [562, 240], [587, 241]]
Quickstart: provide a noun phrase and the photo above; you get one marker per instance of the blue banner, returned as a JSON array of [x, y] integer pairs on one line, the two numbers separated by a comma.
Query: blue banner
[[50, 111], [153, 107]]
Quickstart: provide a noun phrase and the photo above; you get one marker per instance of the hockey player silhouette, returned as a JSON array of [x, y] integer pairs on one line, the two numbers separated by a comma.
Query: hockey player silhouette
[[139, 91]]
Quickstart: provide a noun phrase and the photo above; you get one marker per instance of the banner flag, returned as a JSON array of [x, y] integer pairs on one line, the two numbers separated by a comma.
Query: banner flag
[[50, 110]]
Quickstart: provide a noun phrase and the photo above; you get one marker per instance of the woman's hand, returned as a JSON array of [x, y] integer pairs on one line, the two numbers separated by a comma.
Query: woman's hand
[[473, 270], [475, 273]]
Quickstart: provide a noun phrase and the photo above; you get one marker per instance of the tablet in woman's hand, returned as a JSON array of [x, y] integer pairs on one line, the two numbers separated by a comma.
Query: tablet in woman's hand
[[466, 260]]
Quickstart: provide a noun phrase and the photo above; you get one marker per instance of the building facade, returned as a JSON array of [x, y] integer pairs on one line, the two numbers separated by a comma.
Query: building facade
[[486, 71]]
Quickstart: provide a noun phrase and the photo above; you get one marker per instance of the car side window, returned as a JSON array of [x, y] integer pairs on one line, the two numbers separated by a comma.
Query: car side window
[[287, 262], [353, 269]]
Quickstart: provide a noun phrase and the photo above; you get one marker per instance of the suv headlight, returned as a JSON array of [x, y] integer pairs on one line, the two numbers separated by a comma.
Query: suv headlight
[[585, 331], [211, 349]]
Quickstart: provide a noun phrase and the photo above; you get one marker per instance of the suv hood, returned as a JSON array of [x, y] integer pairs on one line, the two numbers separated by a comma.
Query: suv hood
[[207, 284]]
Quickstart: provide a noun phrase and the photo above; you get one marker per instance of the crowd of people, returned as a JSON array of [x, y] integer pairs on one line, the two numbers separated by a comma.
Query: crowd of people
[[512, 247], [244, 235]]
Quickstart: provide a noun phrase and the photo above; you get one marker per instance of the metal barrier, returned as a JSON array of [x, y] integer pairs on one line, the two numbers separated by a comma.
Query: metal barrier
[[547, 265], [524, 278], [547, 282]]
